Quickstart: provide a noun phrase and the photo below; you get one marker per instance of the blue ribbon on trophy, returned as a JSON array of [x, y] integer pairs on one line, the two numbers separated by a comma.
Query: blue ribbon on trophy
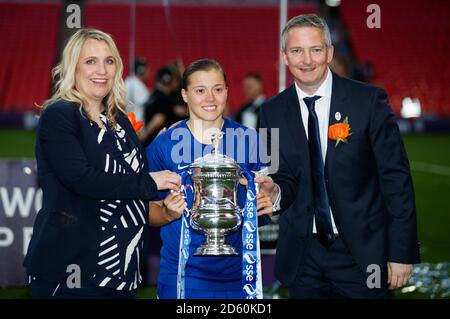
[[251, 254], [185, 235]]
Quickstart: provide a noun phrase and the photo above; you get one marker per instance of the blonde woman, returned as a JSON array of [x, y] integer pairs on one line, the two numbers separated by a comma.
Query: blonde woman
[[88, 238]]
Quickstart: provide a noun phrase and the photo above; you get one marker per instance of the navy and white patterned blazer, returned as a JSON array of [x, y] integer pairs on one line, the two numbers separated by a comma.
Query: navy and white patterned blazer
[[71, 172]]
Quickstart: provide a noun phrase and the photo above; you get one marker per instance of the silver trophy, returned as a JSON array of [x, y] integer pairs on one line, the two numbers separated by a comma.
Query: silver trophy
[[215, 212]]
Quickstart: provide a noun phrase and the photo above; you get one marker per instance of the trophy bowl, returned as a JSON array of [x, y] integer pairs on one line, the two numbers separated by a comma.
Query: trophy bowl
[[215, 212]]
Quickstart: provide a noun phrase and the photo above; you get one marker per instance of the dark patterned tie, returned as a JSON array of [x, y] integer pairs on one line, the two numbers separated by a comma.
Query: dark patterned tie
[[321, 204]]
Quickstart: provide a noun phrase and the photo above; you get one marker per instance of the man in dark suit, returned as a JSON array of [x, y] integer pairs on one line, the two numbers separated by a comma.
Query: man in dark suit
[[348, 222]]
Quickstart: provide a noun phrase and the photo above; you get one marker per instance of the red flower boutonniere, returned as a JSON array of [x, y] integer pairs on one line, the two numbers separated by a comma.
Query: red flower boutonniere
[[339, 132], [136, 125]]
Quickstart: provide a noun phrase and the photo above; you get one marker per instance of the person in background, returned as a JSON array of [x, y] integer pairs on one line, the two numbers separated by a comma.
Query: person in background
[[137, 91], [88, 238], [159, 109], [179, 106], [340, 66], [248, 114]]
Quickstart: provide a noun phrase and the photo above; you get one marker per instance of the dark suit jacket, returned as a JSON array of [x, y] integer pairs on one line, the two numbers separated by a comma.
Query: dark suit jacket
[[368, 180], [71, 173]]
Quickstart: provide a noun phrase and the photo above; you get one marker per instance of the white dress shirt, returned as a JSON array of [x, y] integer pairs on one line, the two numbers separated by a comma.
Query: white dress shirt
[[250, 116], [137, 94], [322, 108]]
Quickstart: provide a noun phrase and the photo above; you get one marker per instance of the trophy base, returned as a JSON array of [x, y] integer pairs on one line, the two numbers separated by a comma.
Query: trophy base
[[222, 250]]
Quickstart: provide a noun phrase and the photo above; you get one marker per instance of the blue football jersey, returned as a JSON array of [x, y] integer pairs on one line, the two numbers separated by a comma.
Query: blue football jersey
[[175, 150]]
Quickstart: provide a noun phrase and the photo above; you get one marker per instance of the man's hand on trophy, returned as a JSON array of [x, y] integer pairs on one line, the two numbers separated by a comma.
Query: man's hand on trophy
[[268, 186], [262, 172], [264, 204], [174, 205], [166, 180]]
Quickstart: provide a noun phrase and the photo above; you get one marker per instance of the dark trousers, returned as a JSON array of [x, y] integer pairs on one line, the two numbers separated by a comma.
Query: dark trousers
[[41, 289], [332, 273]]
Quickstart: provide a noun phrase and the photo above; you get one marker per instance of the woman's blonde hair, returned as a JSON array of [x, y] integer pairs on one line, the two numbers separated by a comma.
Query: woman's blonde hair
[[64, 75]]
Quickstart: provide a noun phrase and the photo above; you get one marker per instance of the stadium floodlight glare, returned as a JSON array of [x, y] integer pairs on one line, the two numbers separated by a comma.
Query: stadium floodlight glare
[[410, 108], [333, 3]]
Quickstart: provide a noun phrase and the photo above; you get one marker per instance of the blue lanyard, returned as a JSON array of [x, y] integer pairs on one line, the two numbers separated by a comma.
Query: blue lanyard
[[185, 239], [251, 254]]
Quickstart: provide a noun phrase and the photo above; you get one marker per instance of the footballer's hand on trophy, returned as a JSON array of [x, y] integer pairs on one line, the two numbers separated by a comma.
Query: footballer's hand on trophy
[[243, 180], [264, 204], [166, 180], [174, 205]]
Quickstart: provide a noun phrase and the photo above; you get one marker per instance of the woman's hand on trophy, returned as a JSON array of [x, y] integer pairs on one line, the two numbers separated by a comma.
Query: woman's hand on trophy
[[174, 205], [166, 180], [264, 204]]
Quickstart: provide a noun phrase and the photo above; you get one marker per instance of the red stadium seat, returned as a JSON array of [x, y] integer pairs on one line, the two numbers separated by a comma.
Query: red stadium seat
[[29, 34], [408, 52]]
